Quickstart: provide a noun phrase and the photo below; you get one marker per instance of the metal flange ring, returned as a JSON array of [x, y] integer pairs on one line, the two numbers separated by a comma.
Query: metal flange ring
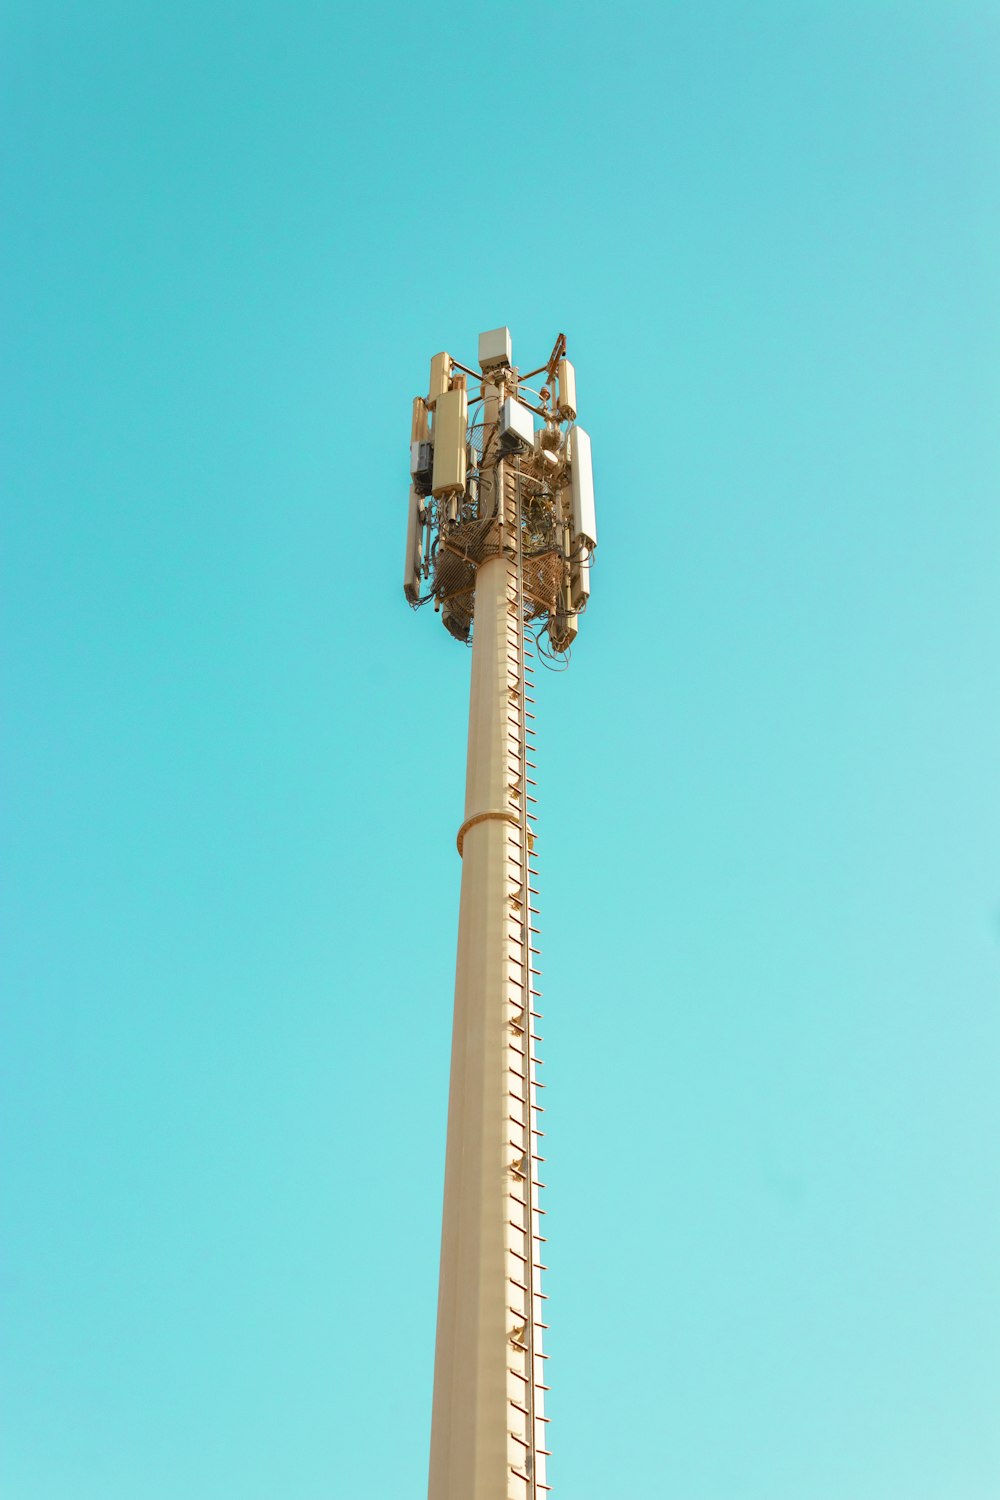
[[506, 817]]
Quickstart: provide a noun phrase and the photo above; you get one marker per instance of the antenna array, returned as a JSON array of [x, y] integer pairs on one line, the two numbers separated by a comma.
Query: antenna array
[[456, 521]]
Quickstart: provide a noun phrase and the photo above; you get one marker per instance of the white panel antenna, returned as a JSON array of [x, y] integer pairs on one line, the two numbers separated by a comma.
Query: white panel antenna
[[582, 485]]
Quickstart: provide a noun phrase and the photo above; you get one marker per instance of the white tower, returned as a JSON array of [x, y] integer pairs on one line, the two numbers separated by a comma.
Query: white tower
[[501, 533]]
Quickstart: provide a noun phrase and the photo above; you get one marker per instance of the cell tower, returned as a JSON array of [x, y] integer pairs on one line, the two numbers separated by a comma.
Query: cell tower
[[501, 535]]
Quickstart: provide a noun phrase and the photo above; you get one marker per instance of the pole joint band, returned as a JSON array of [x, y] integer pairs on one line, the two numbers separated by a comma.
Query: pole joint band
[[506, 817]]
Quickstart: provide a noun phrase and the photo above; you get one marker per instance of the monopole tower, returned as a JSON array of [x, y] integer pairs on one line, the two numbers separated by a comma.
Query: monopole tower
[[500, 539]]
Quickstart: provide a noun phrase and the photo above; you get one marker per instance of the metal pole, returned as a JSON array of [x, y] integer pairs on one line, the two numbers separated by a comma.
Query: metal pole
[[486, 1425]]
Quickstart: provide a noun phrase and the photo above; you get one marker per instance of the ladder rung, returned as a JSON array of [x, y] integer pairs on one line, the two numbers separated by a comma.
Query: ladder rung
[[519, 1314], [527, 1478], [527, 1443], [526, 1412], [523, 1349]]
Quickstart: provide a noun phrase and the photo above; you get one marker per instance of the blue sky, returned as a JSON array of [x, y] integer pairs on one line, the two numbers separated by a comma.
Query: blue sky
[[233, 760]]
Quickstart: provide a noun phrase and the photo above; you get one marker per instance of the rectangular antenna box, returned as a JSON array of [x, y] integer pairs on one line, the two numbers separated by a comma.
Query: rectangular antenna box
[[440, 378], [494, 348], [414, 550], [517, 426], [451, 413], [421, 459], [567, 390], [582, 487], [421, 466]]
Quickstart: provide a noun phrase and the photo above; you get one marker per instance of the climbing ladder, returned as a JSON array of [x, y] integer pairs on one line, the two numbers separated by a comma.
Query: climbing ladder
[[526, 1447]]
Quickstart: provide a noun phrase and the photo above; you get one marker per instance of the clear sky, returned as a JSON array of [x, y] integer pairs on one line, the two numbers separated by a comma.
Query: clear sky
[[233, 760]]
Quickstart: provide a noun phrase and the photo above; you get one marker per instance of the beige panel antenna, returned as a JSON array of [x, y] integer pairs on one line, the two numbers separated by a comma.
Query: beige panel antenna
[[451, 417], [440, 378]]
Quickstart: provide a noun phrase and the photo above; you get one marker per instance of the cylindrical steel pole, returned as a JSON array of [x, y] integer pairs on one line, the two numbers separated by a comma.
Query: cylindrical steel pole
[[469, 1429], [487, 1414]]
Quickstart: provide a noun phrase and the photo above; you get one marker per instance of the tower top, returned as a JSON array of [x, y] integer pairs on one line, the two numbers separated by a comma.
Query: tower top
[[476, 440]]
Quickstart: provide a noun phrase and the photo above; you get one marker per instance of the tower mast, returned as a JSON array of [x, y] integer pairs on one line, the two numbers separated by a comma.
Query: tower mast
[[506, 515]]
